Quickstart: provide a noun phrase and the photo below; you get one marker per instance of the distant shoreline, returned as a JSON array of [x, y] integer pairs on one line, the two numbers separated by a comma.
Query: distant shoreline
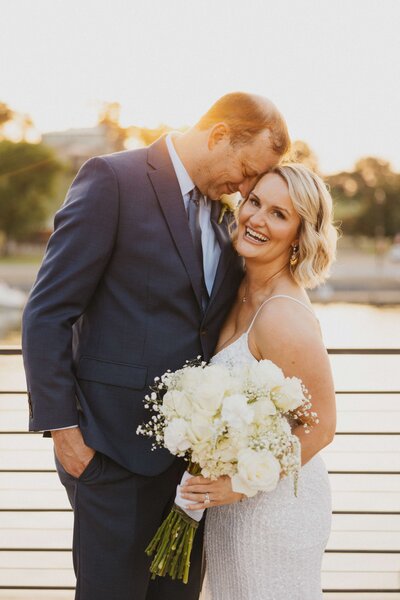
[[357, 277]]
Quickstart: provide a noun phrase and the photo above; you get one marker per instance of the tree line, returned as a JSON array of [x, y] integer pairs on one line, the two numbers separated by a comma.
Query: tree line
[[367, 198]]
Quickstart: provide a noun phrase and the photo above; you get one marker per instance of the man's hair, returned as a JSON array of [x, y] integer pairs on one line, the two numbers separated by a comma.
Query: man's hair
[[246, 116]]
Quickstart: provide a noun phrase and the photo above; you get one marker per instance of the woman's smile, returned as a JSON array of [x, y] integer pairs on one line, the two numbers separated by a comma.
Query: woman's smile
[[255, 237]]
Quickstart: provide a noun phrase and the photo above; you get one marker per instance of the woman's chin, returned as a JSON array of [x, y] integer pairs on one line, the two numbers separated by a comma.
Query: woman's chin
[[248, 249]]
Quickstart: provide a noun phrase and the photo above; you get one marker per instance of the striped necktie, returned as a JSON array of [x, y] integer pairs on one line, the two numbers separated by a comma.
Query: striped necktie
[[193, 212]]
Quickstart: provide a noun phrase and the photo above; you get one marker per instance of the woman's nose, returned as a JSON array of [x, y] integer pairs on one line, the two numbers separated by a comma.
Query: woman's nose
[[258, 218]]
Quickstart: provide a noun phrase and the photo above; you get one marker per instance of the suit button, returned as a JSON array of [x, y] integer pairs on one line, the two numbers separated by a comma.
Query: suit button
[[203, 331]]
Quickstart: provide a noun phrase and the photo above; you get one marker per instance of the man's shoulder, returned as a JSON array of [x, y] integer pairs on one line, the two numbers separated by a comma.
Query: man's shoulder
[[154, 155], [123, 165], [125, 157]]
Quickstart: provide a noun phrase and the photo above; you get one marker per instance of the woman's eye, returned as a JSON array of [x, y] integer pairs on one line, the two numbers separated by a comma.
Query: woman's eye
[[254, 202], [279, 214]]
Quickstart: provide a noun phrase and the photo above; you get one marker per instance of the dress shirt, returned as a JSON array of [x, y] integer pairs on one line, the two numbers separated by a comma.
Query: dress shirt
[[209, 243]]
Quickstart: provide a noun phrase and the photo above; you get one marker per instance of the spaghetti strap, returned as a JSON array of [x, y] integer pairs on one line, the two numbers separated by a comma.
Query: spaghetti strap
[[279, 296]]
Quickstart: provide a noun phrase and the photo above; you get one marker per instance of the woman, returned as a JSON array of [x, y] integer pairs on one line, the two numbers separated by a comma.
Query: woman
[[270, 546]]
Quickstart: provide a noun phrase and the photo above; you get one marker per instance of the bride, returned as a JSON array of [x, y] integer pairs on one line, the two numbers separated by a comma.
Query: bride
[[270, 546]]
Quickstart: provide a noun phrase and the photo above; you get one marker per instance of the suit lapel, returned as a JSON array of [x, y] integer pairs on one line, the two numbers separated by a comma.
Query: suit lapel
[[166, 187]]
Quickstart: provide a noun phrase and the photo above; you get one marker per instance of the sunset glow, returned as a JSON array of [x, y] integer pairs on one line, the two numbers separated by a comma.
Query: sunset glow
[[332, 67]]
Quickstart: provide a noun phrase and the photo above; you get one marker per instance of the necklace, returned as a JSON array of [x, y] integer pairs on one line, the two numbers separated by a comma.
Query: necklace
[[245, 296]]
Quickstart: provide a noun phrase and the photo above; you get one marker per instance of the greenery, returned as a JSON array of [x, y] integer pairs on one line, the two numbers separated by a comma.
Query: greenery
[[27, 177], [22, 259], [367, 199], [33, 183]]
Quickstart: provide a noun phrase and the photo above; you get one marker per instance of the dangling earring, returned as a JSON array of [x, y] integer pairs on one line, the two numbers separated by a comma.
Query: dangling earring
[[294, 258]]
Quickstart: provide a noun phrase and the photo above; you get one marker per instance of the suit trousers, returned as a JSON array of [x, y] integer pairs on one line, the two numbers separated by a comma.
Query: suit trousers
[[116, 513]]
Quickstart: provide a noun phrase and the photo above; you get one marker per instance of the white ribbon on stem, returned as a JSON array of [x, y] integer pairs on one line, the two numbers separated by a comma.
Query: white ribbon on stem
[[183, 503]]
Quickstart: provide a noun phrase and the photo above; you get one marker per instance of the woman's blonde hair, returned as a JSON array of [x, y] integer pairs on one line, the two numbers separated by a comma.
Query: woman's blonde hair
[[317, 233]]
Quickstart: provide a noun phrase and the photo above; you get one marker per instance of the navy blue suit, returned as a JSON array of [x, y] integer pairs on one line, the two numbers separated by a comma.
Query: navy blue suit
[[117, 301]]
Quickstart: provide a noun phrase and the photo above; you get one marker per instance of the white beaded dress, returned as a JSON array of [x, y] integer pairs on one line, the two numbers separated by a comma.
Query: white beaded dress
[[270, 546]]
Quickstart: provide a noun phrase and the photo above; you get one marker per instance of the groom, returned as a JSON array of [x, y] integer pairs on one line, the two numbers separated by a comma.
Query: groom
[[137, 278]]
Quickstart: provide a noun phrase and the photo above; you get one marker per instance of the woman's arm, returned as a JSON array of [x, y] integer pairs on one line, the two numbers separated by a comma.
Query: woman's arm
[[291, 338]]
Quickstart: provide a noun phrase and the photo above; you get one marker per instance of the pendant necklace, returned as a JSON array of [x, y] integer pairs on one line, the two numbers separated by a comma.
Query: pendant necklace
[[245, 297]]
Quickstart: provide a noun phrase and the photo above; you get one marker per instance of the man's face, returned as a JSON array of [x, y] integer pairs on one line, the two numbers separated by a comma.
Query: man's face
[[234, 168]]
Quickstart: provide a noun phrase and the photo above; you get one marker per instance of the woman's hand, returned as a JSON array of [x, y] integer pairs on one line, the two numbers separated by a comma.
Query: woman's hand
[[207, 492]]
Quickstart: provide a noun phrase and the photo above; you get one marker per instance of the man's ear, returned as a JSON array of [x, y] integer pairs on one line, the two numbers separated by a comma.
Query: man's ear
[[219, 133]]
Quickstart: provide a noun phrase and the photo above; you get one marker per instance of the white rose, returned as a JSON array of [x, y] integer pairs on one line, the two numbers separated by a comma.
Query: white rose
[[176, 403], [236, 412], [263, 408], [200, 430], [189, 379], [176, 437], [290, 394], [266, 374], [256, 471], [209, 393]]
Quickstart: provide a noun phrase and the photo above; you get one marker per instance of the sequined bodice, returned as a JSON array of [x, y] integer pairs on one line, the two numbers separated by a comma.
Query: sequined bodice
[[235, 354]]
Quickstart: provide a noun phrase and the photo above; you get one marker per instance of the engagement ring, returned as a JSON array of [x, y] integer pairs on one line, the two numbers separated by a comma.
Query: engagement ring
[[207, 499]]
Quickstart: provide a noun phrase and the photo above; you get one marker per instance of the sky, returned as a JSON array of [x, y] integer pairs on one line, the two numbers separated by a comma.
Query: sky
[[331, 66]]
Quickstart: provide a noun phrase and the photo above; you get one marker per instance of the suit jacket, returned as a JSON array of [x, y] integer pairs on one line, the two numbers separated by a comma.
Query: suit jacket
[[117, 301]]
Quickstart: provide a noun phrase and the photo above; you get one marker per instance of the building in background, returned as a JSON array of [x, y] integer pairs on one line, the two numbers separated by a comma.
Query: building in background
[[75, 146]]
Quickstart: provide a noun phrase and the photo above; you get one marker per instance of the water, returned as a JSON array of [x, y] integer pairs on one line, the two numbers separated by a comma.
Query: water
[[343, 325], [359, 325], [10, 326]]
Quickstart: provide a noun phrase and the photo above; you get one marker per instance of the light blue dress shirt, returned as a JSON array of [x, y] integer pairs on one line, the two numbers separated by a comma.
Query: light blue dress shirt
[[211, 249]]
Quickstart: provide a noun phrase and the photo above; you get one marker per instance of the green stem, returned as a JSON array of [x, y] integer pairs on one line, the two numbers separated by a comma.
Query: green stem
[[172, 544]]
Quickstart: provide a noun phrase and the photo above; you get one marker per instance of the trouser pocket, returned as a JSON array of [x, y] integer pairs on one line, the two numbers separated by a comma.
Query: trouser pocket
[[89, 474]]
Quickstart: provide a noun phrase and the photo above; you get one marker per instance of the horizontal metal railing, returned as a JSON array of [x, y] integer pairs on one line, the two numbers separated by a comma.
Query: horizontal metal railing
[[11, 351]]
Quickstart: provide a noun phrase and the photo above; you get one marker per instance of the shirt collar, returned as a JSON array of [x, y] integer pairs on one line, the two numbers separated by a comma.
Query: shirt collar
[[185, 182]]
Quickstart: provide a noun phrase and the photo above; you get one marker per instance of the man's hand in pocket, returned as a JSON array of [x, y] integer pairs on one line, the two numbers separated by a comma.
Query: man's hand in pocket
[[72, 451]]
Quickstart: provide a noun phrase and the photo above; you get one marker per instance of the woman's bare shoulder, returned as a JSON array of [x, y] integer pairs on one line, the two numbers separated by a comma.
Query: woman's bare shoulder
[[284, 327]]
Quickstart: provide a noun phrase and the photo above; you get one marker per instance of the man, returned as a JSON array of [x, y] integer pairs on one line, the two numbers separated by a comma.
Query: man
[[137, 278]]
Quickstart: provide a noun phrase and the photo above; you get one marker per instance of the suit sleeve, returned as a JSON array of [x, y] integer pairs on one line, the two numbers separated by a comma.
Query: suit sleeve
[[77, 254]]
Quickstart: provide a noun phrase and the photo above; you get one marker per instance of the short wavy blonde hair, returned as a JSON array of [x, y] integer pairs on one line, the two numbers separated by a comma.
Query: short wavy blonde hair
[[317, 233]]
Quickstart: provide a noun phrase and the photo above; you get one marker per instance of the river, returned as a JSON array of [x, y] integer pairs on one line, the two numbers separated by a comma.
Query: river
[[343, 325]]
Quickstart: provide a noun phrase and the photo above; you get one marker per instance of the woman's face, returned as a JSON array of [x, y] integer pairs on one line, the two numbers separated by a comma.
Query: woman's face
[[268, 224]]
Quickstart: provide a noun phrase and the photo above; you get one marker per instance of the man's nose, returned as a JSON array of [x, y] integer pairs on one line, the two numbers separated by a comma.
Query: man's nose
[[246, 186]]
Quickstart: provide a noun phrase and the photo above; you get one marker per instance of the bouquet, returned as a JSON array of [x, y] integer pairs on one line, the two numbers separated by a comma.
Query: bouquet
[[233, 422]]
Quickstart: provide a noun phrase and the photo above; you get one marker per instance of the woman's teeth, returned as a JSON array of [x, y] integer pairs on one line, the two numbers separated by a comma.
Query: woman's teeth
[[258, 237]]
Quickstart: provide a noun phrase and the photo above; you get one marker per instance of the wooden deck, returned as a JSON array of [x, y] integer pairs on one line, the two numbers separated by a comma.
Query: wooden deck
[[362, 560]]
